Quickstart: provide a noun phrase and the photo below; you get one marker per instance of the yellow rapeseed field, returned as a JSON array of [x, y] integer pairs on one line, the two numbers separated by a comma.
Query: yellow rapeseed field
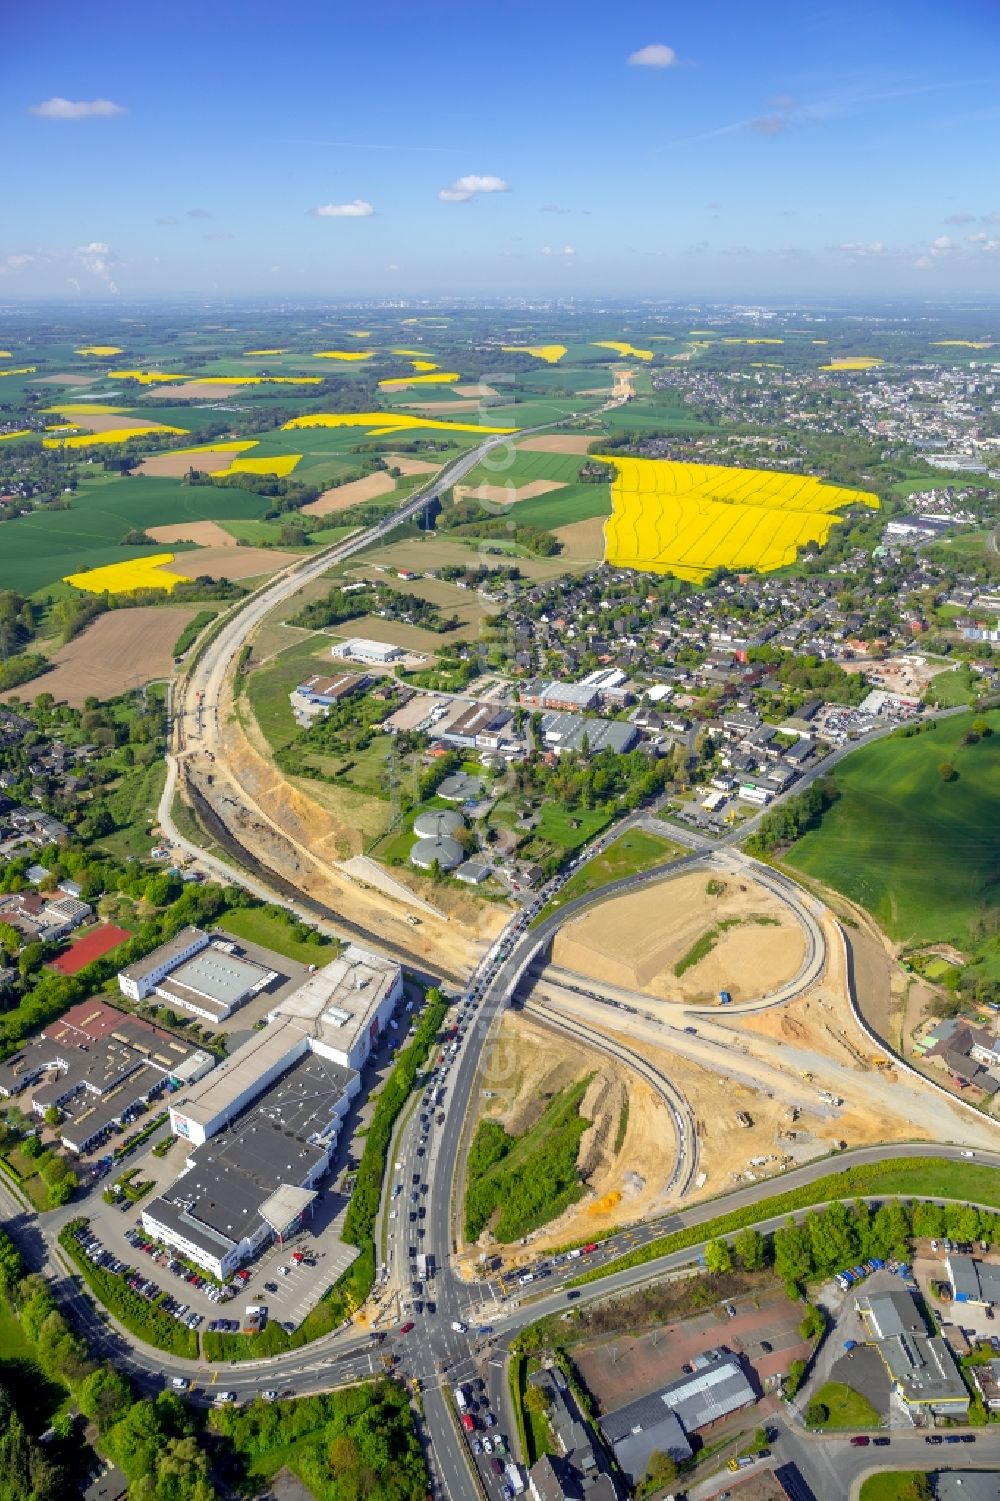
[[24, 370], [343, 354], [687, 519], [550, 353], [409, 353], [628, 350], [359, 333], [124, 578], [231, 445], [379, 424], [423, 364], [441, 378], [22, 432], [962, 343], [104, 351], [5, 354], [853, 362], [279, 466], [144, 377], [114, 435]]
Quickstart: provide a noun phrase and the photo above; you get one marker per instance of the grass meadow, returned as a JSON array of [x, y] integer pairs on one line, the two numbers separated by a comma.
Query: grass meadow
[[920, 853]]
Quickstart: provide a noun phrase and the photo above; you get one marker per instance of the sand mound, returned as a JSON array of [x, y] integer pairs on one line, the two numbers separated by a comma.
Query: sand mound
[[342, 497], [558, 443], [636, 941]]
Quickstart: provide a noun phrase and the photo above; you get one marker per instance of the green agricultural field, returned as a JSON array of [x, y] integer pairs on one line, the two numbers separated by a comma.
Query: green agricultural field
[[562, 507], [520, 466], [42, 547], [918, 851]]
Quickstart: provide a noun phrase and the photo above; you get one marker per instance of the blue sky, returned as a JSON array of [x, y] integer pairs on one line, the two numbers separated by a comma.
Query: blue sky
[[740, 151]]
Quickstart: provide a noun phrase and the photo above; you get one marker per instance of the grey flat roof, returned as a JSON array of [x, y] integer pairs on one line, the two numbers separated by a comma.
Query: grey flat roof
[[213, 1095], [304, 1098], [567, 731], [230, 1178], [966, 1485], [437, 821], [220, 976], [962, 1271], [445, 850], [89, 1114], [892, 1314], [173, 946]]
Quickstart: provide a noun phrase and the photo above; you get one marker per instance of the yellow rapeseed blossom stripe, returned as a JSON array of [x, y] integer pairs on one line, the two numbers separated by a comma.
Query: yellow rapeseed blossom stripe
[[5, 354], [77, 408], [856, 362], [252, 353], [343, 354], [144, 377], [114, 435], [442, 378], [753, 341], [687, 519], [620, 347], [257, 380], [550, 353], [409, 353], [962, 343], [104, 351], [24, 370], [124, 578], [424, 365], [359, 333], [279, 466], [22, 432], [380, 423]]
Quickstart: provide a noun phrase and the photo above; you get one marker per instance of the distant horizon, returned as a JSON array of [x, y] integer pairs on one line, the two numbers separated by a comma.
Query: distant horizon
[[539, 152]]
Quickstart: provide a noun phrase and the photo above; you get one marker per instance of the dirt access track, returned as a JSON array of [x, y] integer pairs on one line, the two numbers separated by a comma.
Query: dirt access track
[[635, 941]]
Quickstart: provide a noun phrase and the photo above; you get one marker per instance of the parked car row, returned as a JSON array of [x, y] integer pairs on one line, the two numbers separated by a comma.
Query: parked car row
[[143, 1286], [163, 1258]]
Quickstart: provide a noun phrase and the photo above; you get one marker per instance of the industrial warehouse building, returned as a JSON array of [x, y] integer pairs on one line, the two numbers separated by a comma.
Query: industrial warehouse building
[[973, 1281], [570, 732], [924, 1375], [264, 1127], [198, 972], [660, 1423]]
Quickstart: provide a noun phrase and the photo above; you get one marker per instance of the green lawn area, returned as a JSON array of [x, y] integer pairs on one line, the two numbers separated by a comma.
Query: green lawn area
[[917, 851], [567, 829], [966, 548], [260, 925], [578, 502], [269, 686], [629, 854], [896, 1485], [845, 1408], [134, 806]]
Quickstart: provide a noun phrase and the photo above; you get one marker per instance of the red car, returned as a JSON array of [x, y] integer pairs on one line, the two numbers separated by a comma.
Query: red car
[[467, 1422], [860, 1441], [589, 1250], [405, 1328], [297, 1257]]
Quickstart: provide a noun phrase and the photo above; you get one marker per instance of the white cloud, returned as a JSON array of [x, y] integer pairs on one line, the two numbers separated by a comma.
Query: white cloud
[[943, 242], [769, 125], [656, 55], [358, 208], [567, 251], [854, 247], [97, 259], [464, 188], [76, 109], [17, 262]]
